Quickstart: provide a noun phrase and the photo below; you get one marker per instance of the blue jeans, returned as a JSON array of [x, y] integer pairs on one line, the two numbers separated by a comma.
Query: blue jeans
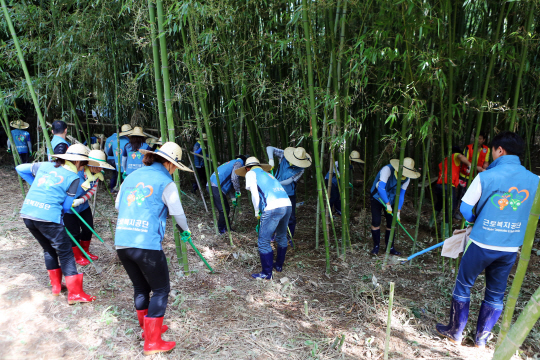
[[497, 265], [274, 221]]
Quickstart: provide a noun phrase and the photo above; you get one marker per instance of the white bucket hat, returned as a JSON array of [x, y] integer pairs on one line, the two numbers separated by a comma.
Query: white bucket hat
[[297, 156], [19, 124], [126, 130], [76, 152], [137, 131], [171, 152], [355, 156], [99, 159], [250, 162], [408, 167]]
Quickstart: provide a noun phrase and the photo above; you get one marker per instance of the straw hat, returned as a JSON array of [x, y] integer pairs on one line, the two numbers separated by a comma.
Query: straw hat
[[297, 156], [152, 141], [76, 152], [99, 159], [408, 167], [95, 146], [137, 131], [171, 152], [99, 136], [203, 137], [355, 156], [126, 130], [19, 124], [252, 161]]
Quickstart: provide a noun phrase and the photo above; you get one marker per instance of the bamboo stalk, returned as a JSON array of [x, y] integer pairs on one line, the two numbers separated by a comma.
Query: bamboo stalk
[[389, 321]]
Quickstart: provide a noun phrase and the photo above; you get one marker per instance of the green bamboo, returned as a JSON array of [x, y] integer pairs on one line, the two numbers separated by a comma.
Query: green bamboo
[[116, 111], [314, 125], [389, 321], [519, 331], [521, 269], [27, 76]]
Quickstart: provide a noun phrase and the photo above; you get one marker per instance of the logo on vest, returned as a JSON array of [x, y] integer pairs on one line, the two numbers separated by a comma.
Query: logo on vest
[[513, 197], [136, 155], [21, 138], [50, 179], [140, 193]]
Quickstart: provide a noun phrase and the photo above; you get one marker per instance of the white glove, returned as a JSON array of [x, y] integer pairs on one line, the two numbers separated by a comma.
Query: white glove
[[399, 215], [389, 208], [77, 202], [258, 214], [271, 162]]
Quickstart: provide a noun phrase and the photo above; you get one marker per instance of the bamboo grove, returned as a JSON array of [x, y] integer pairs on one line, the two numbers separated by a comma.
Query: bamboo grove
[[386, 78]]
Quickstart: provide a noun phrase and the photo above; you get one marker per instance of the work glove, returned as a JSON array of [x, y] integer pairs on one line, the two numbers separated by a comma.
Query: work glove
[[77, 202], [124, 175], [399, 215], [237, 194], [185, 236], [467, 224], [257, 228], [258, 214], [389, 208], [350, 185], [271, 162], [9, 151], [234, 202]]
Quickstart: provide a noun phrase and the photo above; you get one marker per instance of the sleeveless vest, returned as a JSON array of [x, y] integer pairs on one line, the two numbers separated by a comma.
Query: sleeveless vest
[[134, 158], [284, 172], [269, 188], [199, 161], [502, 213], [124, 140], [20, 138], [391, 185], [48, 192], [455, 172], [225, 173], [142, 215], [108, 146], [55, 141], [482, 157]]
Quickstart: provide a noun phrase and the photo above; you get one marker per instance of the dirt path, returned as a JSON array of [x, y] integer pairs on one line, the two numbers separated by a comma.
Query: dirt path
[[229, 315]]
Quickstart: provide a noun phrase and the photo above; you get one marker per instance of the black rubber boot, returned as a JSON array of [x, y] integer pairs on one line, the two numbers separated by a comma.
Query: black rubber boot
[[376, 240], [393, 250]]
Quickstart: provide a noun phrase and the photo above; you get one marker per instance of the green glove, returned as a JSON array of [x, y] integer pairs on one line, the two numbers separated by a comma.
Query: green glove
[[237, 194], [234, 203], [9, 151], [257, 227], [467, 224], [350, 185], [185, 236], [124, 175]]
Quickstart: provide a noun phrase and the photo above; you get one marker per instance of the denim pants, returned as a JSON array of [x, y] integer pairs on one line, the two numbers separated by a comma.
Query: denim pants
[[497, 265], [292, 219], [275, 220], [222, 225]]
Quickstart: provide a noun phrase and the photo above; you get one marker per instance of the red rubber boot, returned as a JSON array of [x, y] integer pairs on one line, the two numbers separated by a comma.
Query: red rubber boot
[[56, 281], [153, 343], [85, 244], [140, 315], [76, 293], [79, 257]]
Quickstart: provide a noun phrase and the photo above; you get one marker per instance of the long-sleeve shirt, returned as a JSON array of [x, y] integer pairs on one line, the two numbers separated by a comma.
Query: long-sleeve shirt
[[235, 180], [280, 154]]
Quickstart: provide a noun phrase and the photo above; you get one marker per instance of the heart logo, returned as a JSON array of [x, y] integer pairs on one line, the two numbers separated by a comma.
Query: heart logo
[[140, 193], [500, 201], [50, 179], [520, 194]]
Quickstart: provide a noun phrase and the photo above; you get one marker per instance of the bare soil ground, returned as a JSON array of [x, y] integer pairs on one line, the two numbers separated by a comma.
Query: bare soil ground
[[303, 313]]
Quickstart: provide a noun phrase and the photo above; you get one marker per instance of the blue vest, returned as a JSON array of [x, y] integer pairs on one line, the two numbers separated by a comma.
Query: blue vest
[[199, 161], [334, 178], [55, 141], [93, 140], [108, 146], [269, 188], [391, 185], [80, 192], [124, 140], [284, 172], [502, 213], [142, 215], [20, 138], [48, 192], [134, 158], [225, 173]]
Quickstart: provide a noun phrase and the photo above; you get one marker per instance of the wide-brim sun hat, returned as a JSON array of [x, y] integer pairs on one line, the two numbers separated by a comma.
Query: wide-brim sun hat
[[408, 167], [297, 156], [125, 130], [355, 156], [152, 141], [137, 131], [95, 146], [250, 162], [171, 152], [19, 124], [99, 159], [76, 152], [203, 137]]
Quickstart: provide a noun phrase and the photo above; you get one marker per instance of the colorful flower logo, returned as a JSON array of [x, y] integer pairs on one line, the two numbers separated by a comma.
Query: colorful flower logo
[[50, 179], [140, 193], [513, 197]]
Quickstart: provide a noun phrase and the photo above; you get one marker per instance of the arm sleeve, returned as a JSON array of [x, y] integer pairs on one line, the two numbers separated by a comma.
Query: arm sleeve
[[467, 211], [251, 185], [171, 199], [234, 178], [292, 179], [61, 148], [90, 193], [117, 200], [401, 198], [198, 151], [405, 185], [124, 162], [8, 145], [68, 202], [29, 144], [474, 192], [274, 151], [110, 151], [381, 189], [73, 187], [25, 171]]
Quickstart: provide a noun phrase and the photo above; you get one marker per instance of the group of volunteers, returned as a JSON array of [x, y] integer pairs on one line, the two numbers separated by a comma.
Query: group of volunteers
[[56, 211]]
